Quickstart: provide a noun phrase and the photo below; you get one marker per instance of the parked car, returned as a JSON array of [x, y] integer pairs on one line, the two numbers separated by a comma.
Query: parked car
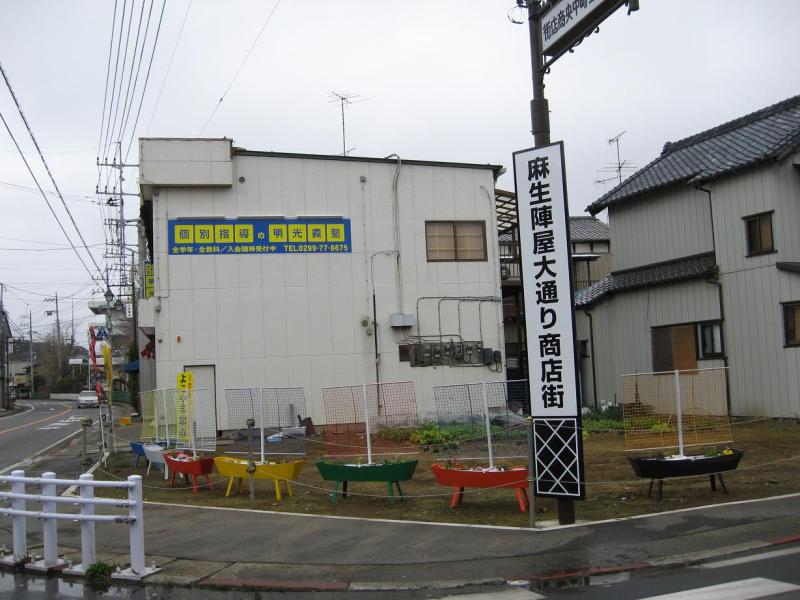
[[87, 398]]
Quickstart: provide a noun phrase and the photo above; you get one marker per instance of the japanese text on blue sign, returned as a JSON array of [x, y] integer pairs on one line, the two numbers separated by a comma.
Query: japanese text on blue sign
[[259, 236]]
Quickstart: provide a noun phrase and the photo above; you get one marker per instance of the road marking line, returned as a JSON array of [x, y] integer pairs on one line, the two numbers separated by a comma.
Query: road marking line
[[502, 594], [746, 559], [24, 425], [745, 589]]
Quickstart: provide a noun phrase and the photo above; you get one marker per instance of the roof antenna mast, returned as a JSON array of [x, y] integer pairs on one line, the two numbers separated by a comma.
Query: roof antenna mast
[[343, 99], [620, 164]]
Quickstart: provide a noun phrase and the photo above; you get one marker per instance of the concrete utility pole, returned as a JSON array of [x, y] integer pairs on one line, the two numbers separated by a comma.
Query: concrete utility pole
[[540, 110], [30, 333]]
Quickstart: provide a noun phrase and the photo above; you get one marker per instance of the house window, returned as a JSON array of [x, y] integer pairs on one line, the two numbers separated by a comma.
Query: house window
[[709, 340], [791, 323], [674, 348], [455, 240], [759, 234], [681, 346]]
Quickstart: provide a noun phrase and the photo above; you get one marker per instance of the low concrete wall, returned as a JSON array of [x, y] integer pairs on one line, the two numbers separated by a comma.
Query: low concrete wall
[[72, 397]]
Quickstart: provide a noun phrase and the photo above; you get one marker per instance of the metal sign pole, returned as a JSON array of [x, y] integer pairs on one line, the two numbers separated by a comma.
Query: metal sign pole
[[488, 423], [679, 411], [261, 422], [531, 475], [366, 423]]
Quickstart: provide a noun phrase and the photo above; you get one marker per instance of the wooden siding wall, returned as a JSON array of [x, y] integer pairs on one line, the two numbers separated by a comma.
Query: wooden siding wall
[[659, 227], [622, 325], [764, 376]]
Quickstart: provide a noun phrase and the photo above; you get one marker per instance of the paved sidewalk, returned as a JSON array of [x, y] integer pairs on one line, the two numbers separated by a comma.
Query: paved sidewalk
[[243, 548]]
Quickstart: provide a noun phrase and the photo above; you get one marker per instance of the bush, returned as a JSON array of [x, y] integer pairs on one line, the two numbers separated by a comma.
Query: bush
[[99, 574]]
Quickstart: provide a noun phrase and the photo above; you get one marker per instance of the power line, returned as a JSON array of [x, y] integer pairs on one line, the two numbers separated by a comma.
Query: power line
[[49, 173], [108, 73], [126, 106], [55, 216], [114, 84], [241, 65], [146, 80], [169, 66]]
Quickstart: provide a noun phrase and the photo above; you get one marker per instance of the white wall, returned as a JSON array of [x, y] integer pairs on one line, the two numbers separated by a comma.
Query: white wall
[[295, 320], [659, 226], [764, 376], [622, 329]]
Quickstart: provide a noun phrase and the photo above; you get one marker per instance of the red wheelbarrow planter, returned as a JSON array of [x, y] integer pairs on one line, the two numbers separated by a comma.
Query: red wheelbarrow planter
[[661, 467], [178, 462], [391, 473], [460, 478]]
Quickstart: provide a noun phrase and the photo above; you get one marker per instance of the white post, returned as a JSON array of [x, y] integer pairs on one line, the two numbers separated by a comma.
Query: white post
[[166, 417], [366, 423], [261, 421], [18, 521], [49, 526], [488, 425], [679, 411], [88, 555], [193, 438], [136, 527], [101, 424]]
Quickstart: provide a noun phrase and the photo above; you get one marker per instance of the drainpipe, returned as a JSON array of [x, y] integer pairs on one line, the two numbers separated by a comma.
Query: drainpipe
[[718, 283], [591, 349]]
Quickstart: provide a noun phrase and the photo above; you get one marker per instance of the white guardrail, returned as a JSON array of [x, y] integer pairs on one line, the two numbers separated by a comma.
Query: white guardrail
[[49, 516]]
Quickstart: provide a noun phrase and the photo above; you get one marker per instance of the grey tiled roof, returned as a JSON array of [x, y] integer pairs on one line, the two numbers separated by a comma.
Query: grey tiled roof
[[765, 135], [581, 229], [691, 267], [588, 229]]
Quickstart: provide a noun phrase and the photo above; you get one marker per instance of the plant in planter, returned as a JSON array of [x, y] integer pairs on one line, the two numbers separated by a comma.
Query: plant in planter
[[648, 425], [453, 474], [393, 407]]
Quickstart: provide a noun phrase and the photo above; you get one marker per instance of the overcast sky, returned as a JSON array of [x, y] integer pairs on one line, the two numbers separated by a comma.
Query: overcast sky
[[445, 80]]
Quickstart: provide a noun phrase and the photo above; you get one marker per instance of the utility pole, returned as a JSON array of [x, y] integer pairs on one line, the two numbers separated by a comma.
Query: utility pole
[[540, 110], [59, 338], [30, 347]]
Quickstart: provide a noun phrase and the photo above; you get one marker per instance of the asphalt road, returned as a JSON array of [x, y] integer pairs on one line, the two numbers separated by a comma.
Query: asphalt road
[[766, 573], [40, 424]]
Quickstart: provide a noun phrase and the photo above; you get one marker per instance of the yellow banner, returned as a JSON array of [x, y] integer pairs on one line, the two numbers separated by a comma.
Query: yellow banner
[[107, 367], [183, 406]]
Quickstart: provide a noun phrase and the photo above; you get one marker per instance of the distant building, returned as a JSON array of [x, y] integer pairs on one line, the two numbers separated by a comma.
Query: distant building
[[706, 266], [274, 269]]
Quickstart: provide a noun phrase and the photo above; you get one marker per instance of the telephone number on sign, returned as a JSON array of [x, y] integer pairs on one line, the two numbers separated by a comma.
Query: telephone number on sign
[[317, 248]]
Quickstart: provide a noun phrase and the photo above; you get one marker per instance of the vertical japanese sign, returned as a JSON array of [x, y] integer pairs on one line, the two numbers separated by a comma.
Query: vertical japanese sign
[[546, 262], [183, 406]]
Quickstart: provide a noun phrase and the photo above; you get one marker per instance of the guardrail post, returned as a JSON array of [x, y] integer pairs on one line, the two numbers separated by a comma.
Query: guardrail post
[[88, 554], [136, 513], [19, 524], [49, 528]]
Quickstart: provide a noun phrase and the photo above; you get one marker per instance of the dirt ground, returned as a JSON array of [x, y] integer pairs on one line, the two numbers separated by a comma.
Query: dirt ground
[[770, 466]]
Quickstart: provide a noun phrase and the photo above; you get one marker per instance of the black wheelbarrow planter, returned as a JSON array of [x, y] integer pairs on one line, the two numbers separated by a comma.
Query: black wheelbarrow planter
[[658, 468]]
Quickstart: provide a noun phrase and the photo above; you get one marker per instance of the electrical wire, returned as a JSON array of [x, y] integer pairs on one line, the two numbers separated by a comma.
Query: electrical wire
[[49, 173], [146, 80], [55, 216], [131, 79], [108, 73], [241, 66], [169, 67]]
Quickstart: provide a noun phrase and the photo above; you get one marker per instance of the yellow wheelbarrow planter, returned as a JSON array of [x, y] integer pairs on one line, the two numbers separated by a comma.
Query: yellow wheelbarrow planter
[[236, 468]]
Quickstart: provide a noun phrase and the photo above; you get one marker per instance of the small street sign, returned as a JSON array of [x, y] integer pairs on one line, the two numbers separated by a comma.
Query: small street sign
[[567, 21]]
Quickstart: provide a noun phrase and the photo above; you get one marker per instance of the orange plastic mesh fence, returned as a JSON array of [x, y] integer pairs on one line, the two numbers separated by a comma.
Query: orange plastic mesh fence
[[649, 409]]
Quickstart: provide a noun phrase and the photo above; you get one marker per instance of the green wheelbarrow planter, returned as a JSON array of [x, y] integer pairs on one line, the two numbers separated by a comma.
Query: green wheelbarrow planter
[[391, 473]]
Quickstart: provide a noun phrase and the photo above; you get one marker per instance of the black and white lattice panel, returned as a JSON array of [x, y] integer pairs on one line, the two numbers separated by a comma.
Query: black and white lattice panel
[[558, 465]]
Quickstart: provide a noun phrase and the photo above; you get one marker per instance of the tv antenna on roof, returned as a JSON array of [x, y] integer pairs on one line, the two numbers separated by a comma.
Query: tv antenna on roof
[[620, 163], [344, 99]]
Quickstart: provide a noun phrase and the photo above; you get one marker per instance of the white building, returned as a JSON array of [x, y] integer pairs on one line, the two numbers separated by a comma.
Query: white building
[[275, 269], [706, 266]]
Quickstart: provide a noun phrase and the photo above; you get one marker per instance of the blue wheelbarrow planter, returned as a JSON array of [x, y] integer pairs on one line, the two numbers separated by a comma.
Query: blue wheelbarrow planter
[[658, 468]]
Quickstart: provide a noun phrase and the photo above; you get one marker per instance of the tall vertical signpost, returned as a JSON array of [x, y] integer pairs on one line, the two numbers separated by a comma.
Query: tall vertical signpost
[[543, 220], [555, 27]]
